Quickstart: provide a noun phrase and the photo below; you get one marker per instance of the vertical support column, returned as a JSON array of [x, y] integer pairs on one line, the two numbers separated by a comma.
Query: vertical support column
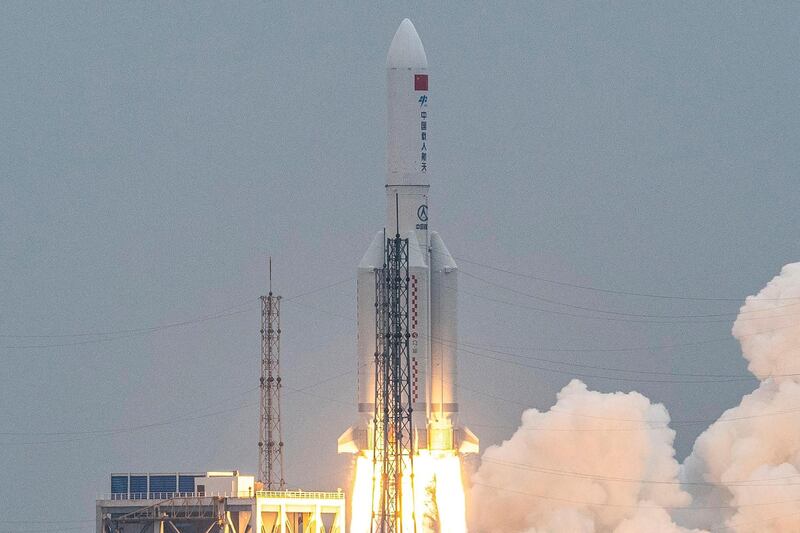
[[317, 519], [282, 517], [229, 527], [255, 516], [99, 518], [338, 520], [381, 413]]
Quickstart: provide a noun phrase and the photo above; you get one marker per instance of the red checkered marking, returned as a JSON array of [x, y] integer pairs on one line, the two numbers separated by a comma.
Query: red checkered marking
[[414, 301], [414, 388], [414, 365]]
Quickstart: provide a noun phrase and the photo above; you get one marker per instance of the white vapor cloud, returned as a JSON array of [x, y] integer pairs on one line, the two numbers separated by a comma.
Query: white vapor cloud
[[578, 467], [752, 453], [605, 463]]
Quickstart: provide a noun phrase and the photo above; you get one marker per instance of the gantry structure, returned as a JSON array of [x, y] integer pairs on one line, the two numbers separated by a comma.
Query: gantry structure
[[393, 459]]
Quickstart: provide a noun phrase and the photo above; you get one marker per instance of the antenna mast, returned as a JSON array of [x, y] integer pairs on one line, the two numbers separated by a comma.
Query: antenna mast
[[270, 442]]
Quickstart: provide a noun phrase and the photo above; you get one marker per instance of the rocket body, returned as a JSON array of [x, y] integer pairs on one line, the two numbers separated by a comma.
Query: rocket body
[[433, 296]]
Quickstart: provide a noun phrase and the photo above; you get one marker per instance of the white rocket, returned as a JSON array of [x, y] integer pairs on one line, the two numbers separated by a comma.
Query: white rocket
[[433, 295]]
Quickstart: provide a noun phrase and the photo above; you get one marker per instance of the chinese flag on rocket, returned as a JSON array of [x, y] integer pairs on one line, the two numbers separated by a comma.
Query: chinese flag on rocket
[[420, 82]]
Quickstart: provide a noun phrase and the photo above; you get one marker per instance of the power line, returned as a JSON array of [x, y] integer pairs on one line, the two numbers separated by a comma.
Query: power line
[[711, 378], [44, 530], [651, 424], [37, 522], [614, 369], [609, 350], [114, 335], [616, 316], [737, 525], [147, 329], [646, 348], [612, 291], [566, 430], [637, 506], [555, 312], [122, 333], [583, 475], [575, 350], [88, 434], [319, 289], [132, 428], [610, 378], [126, 429]]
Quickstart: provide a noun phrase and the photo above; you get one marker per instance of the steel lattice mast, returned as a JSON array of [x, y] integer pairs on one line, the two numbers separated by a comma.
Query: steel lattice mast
[[393, 433], [270, 442]]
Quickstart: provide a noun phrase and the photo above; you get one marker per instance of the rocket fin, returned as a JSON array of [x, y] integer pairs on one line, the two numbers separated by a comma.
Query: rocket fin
[[467, 441], [353, 441], [373, 257]]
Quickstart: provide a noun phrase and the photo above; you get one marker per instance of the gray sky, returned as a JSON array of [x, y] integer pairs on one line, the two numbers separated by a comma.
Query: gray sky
[[152, 156]]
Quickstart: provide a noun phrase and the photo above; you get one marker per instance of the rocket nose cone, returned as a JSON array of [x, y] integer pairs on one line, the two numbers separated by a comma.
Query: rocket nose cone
[[406, 50]]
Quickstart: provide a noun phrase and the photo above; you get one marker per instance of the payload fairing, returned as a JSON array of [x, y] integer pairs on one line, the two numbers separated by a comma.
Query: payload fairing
[[433, 283]]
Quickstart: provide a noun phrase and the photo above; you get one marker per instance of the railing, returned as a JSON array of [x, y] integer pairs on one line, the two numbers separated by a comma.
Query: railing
[[147, 495], [300, 494], [290, 494], [171, 495]]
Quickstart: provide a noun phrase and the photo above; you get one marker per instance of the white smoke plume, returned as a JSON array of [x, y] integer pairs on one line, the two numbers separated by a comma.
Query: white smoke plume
[[751, 454], [579, 468], [592, 465]]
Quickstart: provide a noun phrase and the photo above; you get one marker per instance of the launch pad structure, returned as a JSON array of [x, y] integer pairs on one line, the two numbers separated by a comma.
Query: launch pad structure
[[393, 431], [213, 502]]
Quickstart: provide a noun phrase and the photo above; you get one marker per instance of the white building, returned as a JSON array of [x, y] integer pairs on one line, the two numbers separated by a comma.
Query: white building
[[186, 502]]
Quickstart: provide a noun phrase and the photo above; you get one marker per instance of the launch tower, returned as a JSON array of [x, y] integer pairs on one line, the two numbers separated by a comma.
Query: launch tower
[[393, 432]]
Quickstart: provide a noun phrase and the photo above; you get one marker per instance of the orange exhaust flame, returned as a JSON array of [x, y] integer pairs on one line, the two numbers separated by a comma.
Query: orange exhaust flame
[[437, 504]]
